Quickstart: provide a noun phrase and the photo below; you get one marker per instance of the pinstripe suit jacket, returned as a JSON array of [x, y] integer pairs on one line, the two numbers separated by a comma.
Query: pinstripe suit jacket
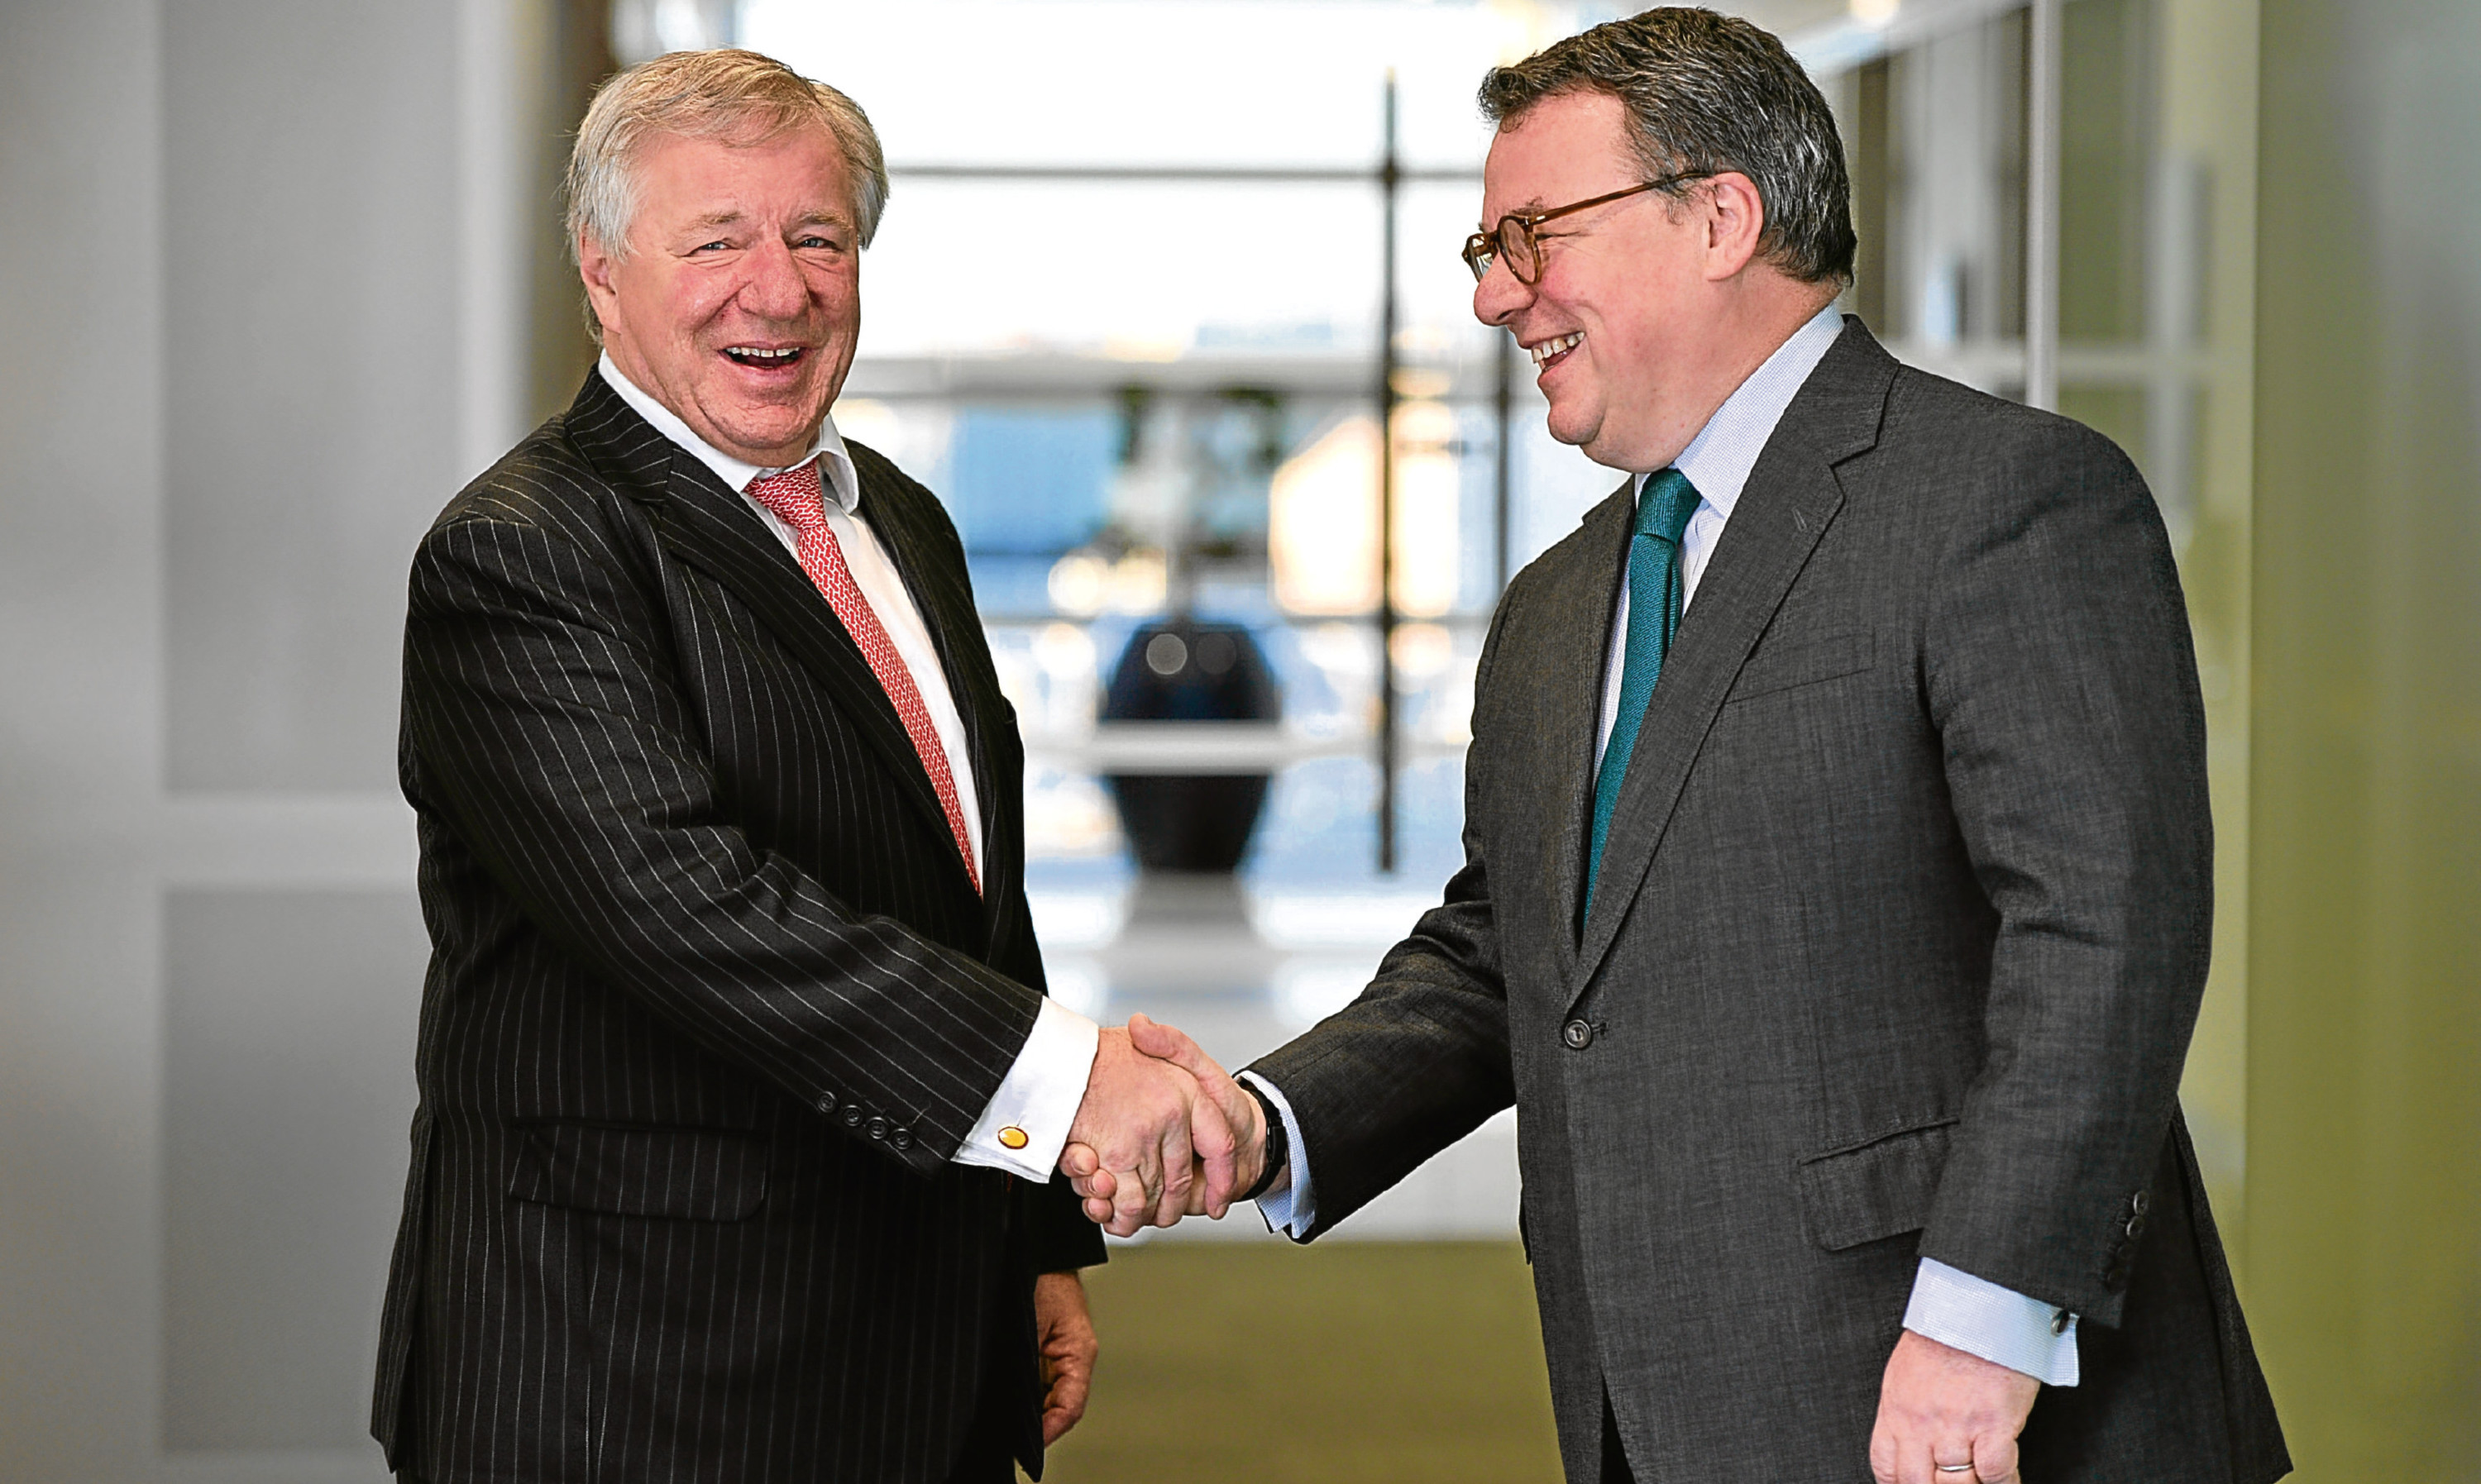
[[1895, 952], [711, 1000]]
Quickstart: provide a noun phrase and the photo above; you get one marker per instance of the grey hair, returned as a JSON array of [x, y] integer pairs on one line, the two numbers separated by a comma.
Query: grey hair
[[1707, 95], [728, 94]]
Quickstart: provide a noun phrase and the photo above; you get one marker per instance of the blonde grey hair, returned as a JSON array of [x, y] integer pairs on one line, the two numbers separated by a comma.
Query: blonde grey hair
[[730, 95]]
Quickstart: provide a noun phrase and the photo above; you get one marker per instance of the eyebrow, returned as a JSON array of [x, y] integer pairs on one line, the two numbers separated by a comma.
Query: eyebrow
[[824, 216]]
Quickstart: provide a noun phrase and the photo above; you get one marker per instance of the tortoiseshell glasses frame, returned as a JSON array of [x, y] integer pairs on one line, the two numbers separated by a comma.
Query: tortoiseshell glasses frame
[[1513, 238]]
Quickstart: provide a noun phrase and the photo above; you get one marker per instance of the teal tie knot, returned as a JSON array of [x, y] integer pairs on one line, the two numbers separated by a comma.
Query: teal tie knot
[[1655, 600], [1663, 507]]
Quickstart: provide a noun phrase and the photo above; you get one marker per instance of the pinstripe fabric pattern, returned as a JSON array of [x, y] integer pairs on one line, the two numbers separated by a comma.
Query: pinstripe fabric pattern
[[712, 999]]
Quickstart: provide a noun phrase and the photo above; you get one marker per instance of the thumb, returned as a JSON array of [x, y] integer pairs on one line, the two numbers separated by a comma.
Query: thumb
[[1168, 1043], [1219, 1153]]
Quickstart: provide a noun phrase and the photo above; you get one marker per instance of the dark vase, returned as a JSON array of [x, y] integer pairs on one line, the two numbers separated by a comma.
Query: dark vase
[[1190, 671]]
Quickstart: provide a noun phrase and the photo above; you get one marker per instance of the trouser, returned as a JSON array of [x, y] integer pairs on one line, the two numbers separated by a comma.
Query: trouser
[[985, 1460], [987, 1457]]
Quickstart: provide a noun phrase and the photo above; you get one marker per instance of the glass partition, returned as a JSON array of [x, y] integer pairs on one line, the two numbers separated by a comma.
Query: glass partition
[[1125, 317]]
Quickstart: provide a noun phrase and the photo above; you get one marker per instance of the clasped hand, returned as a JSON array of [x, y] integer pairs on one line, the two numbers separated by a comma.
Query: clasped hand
[[1164, 1133]]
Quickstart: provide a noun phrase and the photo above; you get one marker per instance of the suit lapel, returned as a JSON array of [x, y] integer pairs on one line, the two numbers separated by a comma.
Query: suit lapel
[[1792, 496], [1568, 699], [947, 608], [944, 605], [713, 529]]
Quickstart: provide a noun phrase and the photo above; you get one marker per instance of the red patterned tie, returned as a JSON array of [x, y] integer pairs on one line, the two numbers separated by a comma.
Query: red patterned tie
[[794, 496]]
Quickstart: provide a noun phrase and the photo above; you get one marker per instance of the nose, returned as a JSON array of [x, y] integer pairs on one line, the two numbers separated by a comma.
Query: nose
[[772, 287], [1499, 297]]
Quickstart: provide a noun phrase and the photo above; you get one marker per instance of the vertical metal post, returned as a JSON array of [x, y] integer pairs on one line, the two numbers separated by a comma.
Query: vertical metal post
[[1503, 474], [2043, 68], [1388, 179]]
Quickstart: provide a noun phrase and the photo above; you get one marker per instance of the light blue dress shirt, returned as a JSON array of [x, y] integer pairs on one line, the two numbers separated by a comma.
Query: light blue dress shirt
[[1950, 1306]]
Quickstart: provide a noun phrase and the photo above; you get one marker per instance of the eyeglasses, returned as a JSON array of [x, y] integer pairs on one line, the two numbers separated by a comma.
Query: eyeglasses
[[1514, 237]]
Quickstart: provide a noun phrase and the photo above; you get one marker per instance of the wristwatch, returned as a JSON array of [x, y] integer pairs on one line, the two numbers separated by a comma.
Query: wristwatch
[[1279, 1151]]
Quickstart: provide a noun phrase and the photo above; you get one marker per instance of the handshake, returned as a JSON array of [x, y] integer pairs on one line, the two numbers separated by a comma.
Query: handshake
[[1164, 1133]]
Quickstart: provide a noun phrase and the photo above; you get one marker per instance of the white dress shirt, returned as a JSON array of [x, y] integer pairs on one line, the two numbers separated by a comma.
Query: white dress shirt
[[1044, 1086], [1948, 1304]]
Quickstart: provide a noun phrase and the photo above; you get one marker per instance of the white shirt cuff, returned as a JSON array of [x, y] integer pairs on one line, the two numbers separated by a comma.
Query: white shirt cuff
[[2000, 1325], [1026, 1123], [1292, 1211]]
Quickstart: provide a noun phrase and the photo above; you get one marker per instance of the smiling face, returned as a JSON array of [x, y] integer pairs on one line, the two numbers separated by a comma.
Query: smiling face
[[739, 298], [1651, 309]]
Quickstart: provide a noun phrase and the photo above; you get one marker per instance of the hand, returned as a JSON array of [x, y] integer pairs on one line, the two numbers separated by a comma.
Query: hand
[[1147, 1142], [1066, 1334], [1093, 1178], [1244, 1114], [1942, 1405]]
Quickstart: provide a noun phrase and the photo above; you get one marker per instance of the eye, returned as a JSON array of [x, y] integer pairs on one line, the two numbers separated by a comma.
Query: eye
[[819, 242], [719, 244]]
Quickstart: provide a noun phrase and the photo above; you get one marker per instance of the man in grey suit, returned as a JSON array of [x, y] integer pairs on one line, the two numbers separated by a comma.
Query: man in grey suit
[[1836, 896]]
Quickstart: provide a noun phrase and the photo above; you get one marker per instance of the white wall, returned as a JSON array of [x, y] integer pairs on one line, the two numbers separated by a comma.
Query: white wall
[[241, 249]]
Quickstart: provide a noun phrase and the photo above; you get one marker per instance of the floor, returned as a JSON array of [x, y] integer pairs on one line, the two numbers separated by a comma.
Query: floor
[[1404, 1346], [1370, 1361]]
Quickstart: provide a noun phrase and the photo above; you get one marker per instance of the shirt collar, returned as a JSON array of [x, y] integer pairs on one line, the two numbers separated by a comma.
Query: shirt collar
[[835, 460], [1718, 459]]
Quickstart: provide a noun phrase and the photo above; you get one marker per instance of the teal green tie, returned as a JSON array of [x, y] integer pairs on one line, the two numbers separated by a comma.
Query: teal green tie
[[1662, 511]]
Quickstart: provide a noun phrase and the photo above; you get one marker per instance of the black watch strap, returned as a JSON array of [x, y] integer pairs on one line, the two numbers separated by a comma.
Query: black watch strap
[[1279, 1144]]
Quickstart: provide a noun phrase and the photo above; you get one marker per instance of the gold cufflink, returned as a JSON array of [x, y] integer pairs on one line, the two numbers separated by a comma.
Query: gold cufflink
[[1014, 1137]]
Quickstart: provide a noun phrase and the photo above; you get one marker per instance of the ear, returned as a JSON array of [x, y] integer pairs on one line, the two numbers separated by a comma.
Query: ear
[[594, 266], [1736, 218]]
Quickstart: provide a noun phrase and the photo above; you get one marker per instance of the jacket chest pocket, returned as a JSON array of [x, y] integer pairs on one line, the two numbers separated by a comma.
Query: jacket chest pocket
[[1791, 664]]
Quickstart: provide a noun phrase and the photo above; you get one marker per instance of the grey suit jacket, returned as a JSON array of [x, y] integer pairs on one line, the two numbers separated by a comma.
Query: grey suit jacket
[[1895, 953]]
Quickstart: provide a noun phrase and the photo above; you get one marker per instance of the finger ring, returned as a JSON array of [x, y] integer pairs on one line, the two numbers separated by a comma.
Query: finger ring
[[1955, 1468]]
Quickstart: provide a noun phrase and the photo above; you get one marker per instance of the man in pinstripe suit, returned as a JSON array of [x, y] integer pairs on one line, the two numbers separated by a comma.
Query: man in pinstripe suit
[[741, 1097]]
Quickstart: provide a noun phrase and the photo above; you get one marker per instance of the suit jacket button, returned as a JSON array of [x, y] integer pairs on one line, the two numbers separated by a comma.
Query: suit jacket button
[[2136, 1226], [878, 1128], [2115, 1276], [2140, 1203], [827, 1102], [1577, 1034], [852, 1116], [902, 1138]]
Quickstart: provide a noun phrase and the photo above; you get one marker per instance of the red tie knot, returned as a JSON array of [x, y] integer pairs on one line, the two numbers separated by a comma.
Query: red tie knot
[[793, 495]]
